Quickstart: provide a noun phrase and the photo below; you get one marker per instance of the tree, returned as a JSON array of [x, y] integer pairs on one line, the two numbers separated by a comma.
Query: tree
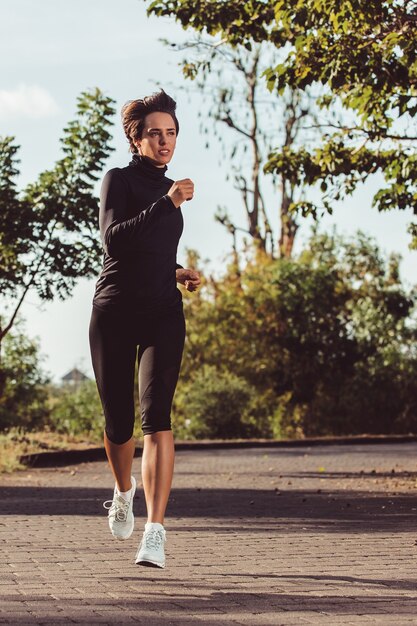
[[327, 339], [235, 98], [363, 57], [48, 233]]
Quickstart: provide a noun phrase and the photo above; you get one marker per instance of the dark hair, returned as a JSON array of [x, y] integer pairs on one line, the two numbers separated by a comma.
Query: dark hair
[[135, 111]]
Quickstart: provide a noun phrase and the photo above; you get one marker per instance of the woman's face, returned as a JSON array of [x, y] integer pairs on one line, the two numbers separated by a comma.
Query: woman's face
[[158, 138]]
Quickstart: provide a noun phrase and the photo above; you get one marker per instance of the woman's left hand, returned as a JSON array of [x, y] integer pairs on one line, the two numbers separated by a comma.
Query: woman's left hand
[[189, 278]]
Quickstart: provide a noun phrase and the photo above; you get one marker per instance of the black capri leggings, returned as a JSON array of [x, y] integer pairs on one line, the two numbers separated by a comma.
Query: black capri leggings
[[114, 338]]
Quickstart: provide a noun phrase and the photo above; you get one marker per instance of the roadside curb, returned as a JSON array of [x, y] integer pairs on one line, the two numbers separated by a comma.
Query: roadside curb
[[58, 458]]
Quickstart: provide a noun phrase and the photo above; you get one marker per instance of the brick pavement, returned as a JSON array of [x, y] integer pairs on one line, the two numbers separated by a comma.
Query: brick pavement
[[319, 535]]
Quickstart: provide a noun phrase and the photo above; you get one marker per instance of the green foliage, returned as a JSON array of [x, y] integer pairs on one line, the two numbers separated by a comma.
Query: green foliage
[[359, 58], [24, 399], [238, 21], [76, 410], [358, 49], [326, 343], [15, 220], [49, 230], [215, 404], [61, 238]]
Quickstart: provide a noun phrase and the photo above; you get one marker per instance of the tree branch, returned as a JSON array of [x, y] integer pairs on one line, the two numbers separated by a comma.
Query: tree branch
[[27, 286]]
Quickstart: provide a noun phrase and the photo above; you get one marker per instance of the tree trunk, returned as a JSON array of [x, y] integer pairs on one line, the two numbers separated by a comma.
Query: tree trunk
[[289, 226]]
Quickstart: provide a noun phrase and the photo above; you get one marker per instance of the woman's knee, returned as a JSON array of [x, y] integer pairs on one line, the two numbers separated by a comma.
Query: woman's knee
[[156, 416], [118, 435]]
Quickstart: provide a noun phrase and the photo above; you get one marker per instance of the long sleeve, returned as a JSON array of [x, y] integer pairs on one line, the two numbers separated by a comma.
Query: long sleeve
[[118, 234], [178, 267]]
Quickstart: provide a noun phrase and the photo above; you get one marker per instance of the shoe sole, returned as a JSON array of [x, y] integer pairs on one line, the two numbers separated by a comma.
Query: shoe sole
[[150, 564]]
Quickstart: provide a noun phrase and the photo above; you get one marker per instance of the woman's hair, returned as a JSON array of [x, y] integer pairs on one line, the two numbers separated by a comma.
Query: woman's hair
[[135, 111]]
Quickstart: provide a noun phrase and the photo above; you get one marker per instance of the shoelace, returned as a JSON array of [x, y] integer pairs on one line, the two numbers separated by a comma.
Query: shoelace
[[118, 507], [154, 539]]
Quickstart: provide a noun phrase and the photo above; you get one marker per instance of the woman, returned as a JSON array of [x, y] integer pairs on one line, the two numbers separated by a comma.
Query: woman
[[137, 303]]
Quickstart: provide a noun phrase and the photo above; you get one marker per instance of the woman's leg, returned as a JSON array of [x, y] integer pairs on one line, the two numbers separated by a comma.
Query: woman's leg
[[157, 471], [159, 366], [113, 352], [120, 457]]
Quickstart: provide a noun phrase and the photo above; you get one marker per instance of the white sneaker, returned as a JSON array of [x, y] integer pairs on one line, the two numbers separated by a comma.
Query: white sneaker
[[121, 520], [151, 548]]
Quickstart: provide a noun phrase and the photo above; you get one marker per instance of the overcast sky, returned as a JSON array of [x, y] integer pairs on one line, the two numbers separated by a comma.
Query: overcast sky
[[52, 50]]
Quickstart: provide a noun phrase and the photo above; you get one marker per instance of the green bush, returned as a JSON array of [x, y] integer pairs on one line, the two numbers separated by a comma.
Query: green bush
[[77, 410], [327, 339], [23, 402], [215, 404]]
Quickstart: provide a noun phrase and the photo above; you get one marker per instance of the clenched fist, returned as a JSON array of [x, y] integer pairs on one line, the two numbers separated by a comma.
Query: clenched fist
[[181, 190], [189, 278]]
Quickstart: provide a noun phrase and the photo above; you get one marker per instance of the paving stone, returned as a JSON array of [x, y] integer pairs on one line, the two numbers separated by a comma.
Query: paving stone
[[336, 546]]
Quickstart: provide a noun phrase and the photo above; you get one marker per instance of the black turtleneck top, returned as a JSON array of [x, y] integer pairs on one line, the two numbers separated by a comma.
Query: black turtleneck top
[[140, 228]]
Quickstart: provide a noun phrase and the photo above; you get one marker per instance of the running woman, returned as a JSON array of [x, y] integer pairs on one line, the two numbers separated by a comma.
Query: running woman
[[137, 313]]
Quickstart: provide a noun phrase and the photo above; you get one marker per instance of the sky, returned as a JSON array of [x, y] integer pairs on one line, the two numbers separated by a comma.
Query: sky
[[52, 51]]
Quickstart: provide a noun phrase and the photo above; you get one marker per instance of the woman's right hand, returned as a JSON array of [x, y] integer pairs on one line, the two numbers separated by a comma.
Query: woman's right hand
[[181, 190]]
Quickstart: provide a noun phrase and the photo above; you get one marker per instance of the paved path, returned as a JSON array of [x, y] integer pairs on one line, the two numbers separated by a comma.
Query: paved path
[[320, 535]]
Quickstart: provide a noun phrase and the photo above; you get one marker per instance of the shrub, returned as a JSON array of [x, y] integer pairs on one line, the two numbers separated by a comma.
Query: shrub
[[216, 404], [24, 399], [77, 410]]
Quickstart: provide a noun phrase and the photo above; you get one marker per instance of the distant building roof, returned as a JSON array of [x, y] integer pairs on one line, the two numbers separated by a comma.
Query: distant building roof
[[74, 376]]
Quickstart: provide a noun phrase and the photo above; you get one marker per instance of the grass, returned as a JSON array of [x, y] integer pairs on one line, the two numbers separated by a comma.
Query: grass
[[17, 442]]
